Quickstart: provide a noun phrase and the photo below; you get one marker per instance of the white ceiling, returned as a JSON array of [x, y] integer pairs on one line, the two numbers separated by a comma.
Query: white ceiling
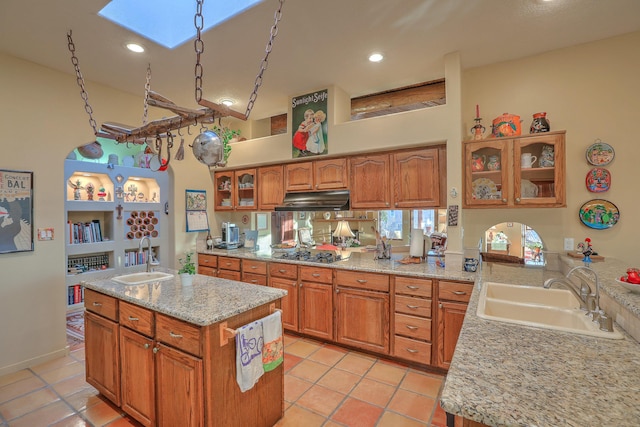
[[320, 43]]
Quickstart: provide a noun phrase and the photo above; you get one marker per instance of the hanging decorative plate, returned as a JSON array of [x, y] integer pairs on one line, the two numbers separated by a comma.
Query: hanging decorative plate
[[599, 214], [600, 153], [485, 189], [598, 180]]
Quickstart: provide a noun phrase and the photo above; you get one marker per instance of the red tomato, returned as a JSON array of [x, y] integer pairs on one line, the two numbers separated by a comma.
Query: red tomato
[[623, 278], [633, 276]]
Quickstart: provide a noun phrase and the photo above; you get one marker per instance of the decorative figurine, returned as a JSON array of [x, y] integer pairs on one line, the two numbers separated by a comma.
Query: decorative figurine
[[76, 189], [89, 187], [101, 194], [586, 250], [478, 130]]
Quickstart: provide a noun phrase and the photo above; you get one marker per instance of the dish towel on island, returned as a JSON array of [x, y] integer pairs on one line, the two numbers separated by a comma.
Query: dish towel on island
[[249, 343], [273, 350]]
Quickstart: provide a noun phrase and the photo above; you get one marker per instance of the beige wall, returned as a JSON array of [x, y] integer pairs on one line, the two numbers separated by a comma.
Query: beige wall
[[591, 91]]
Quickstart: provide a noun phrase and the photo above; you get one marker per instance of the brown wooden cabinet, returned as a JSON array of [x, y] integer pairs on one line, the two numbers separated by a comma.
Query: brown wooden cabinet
[[370, 182], [270, 187], [102, 358], [330, 174], [285, 276], [254, 272], [235, 190], [416, 179], [362, 310], [138, 376], [229, 268], [412, 319], [316, 302], [494, 175], [207, 264], [453, 298]]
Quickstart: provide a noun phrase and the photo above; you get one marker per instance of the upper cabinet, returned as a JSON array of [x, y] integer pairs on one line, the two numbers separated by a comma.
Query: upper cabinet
[[328, 174], [416, 179], [271, 187], [526, 171], [235, 190], [370, 182]]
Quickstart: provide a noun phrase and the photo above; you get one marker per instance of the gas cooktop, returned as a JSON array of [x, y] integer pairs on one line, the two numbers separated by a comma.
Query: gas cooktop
[[308, 256]]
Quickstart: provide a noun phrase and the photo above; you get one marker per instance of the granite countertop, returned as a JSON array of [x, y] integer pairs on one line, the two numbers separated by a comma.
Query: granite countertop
[[509, 375], [361, 261], [209, 300]]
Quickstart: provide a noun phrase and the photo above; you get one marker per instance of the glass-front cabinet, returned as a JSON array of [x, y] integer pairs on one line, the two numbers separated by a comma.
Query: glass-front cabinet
[[235, 190], [525, 171]]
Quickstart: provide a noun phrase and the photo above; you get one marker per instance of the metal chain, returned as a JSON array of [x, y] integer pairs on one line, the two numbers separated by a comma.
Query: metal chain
[[198, 45], [147, 88], [80, 81], [263, 65]]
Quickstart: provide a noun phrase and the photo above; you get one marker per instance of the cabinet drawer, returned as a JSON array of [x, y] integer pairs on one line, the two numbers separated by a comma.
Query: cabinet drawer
[[179, 334], [414, 306], [101, 304], [455, 291], [319, 275], [137, 318], [413, 327], [416, 351], [286, 271], [228, 263], [413, 286], [207, 260], [255, 267], [356, 279], [255, 279], [207, 271], [229, 275]]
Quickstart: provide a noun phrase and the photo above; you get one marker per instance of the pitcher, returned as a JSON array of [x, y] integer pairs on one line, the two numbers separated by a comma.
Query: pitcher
[[494, 163], [477, 162]]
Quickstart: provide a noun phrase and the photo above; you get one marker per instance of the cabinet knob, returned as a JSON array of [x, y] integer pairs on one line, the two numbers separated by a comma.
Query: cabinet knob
[[387, 204], [396, 205], [146, 345], [504, 200], [337, 291], [300, 284], [133, 319], [156, 349], [517, 199], [440, 305]]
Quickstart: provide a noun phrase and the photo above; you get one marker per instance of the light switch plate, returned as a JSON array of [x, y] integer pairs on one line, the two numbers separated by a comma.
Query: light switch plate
[[569, 244], [45, 233]]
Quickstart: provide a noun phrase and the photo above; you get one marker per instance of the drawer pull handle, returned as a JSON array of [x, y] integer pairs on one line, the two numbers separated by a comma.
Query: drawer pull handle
[[172, 335], [413, 287], [228, 263], [413, 307], [410, 350], [254, 266], [460, 292], [361, 281], [97, 304], [254, 281], [133, 319], [316, 274], [282, 270], [411, 327]]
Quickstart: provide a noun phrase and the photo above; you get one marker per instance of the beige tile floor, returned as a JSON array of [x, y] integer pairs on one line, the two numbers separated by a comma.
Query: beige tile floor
[[325, 385]]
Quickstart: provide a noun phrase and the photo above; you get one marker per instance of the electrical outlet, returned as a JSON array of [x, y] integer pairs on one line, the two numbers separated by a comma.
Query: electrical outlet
[[569, 244]]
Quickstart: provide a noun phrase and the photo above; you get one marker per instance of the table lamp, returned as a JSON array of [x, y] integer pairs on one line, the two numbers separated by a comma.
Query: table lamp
[[343, 230]]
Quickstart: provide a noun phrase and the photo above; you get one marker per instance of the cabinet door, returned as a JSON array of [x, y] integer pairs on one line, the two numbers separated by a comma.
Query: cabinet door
[[541, 182], [450, 318], [416, 179], [330, 174], [363, 319], [246, 196], [298, 176], [225, 194], [270, 187], [370, 184], [179, 383], [138, 376], [289, 302], [102, 349], [316, 309], [486, 171]]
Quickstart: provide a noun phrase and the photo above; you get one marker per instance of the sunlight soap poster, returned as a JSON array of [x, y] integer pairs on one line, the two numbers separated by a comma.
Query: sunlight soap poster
[[309, 124]]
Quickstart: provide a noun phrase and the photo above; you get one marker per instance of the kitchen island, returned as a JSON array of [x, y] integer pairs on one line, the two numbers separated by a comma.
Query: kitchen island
[[162, 351], [509, 375]]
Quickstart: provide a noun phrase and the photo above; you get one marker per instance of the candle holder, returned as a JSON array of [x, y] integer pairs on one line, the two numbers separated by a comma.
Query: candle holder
[[478, 130]]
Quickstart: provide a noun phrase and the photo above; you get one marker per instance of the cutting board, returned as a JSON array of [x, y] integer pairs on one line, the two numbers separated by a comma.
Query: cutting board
[[594, 258]]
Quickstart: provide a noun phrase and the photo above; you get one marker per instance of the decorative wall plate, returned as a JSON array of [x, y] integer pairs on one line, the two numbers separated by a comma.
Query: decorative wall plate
[[485, 189], [600, 153], [598, 180], [599, 214]]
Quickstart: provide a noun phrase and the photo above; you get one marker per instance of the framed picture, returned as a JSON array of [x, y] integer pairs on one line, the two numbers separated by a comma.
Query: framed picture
[[16, 211], [309, 124], [261, 221], [196, 210]]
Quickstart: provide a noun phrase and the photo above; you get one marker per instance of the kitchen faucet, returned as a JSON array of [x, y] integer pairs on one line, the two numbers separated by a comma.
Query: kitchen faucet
[[570, 286], [150, 262]]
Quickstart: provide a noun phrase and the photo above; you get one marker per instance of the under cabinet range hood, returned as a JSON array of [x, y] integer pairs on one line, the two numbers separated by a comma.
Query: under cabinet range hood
[[316, 201]]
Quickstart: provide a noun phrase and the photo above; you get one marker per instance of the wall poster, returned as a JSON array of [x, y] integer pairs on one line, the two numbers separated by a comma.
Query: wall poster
[[309, 124], [16, 211]]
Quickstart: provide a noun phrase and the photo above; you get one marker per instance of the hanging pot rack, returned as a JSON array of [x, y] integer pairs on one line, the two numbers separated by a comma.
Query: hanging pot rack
[[185, 117]]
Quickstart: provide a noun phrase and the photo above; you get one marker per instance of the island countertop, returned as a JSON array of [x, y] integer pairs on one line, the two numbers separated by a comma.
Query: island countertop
[[510, 375], [209, 300]]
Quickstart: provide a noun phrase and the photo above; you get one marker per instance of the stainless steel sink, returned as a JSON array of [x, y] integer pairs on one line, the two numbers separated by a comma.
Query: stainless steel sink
[[556, 309], [143, 277]]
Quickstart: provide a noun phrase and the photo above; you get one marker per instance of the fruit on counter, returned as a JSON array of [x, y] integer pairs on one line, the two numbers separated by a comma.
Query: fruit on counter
[[632, 276]]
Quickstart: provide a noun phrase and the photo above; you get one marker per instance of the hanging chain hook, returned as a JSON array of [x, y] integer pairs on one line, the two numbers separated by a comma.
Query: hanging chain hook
[[180, 128], [159, 147], [198, 45], [169, 147], [80, 81], [147, 88]]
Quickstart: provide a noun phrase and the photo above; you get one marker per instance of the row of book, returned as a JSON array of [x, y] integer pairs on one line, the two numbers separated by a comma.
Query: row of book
[[132, 258], [75, 294], [85, 232]]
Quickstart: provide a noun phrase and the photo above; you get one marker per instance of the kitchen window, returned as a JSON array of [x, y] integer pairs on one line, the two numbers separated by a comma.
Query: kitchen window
[[397, 224]]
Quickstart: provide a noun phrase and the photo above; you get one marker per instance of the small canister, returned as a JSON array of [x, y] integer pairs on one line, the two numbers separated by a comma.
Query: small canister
[[540, 123]]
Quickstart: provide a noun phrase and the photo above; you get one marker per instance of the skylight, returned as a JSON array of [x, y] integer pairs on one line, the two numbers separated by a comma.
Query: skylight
[[170, 22]]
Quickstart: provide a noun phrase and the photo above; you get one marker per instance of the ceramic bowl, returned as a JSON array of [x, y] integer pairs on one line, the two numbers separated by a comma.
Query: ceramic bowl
[[630, 286]]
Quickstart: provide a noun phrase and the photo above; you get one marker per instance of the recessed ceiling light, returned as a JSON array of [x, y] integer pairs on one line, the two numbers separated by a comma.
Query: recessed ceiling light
[[133, 47], [226, 101], [375, 57]]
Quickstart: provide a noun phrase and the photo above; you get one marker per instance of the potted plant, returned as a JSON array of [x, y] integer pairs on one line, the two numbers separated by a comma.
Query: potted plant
[[187, 269], [226, 135]]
